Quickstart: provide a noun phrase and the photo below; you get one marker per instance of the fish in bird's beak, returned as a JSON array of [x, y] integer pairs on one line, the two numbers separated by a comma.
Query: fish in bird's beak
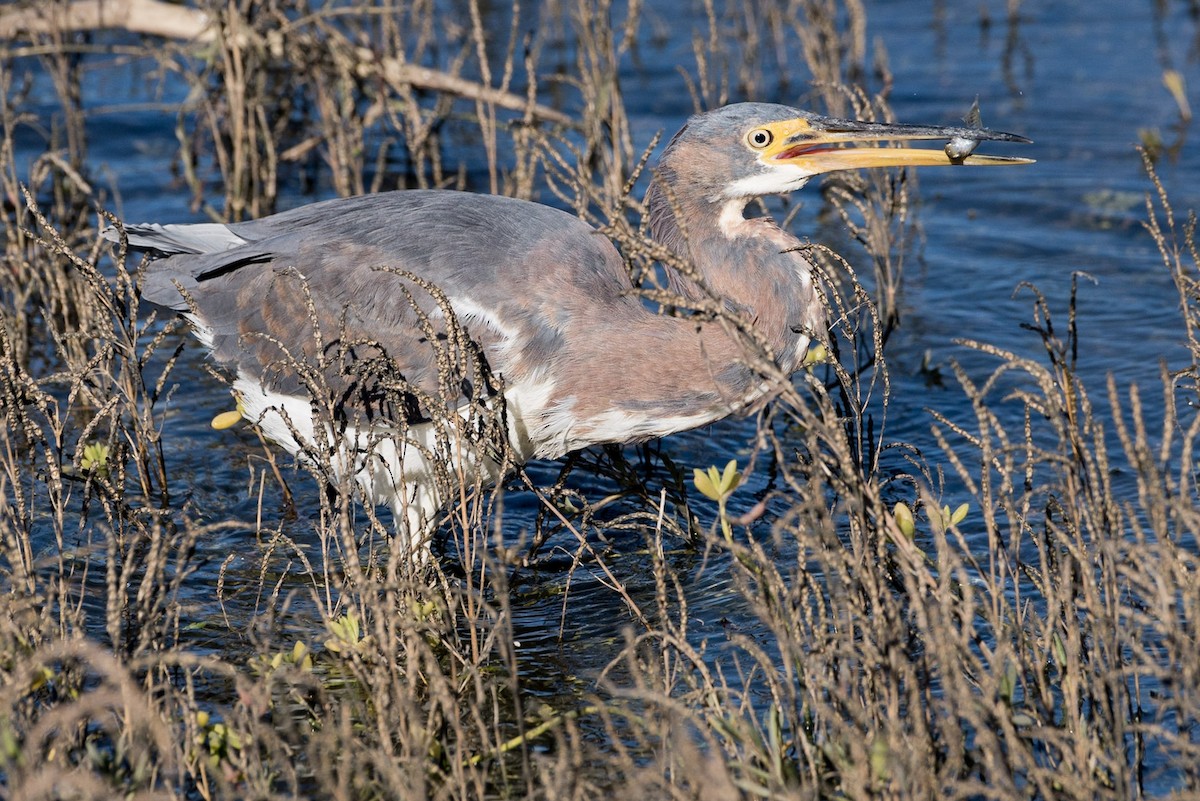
[[817, 145], [960, 147]]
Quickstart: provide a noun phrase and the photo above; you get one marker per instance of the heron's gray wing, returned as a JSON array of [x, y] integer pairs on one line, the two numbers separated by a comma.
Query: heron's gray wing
[[349, 294], [170, 239]]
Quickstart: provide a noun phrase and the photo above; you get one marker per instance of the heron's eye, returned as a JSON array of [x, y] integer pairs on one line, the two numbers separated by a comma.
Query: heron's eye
[[759, 138]]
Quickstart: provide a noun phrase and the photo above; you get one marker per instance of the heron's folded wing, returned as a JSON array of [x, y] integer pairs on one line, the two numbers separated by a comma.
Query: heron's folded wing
[[346, 292]]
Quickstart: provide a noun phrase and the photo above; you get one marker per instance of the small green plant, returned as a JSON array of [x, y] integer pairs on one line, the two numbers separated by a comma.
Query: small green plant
[[95, 457], [347, 636], [216, 742], [230, 418], [719, 486], [299, 657], [943, 517], [817, 354], [959, 514], [904, 520]]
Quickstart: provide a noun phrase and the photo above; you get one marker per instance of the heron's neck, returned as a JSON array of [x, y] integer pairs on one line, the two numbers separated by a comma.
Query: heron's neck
[[752, 265]]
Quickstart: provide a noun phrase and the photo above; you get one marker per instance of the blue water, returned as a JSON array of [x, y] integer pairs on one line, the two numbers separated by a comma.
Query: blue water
[[1082, 79]]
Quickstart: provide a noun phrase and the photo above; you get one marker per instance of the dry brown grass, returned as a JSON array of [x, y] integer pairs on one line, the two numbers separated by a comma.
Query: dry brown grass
[[875, 660]]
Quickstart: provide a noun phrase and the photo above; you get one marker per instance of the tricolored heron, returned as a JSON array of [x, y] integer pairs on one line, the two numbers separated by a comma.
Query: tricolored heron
[[583, 361]]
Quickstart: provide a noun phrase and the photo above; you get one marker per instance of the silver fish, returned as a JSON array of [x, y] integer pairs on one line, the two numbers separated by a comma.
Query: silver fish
[[961, 146]]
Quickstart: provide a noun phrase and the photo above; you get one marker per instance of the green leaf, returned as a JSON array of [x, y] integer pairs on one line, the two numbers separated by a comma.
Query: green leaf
[[1008, 683], [880, 755], [226, 420], [347, 635], [730, 479], [704, 484], [904, 519], [717, 485], [1060, 651], [95, 456], [816, 354]]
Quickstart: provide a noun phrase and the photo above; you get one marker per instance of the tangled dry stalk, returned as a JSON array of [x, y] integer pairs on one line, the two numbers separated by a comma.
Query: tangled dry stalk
[[882, 654]]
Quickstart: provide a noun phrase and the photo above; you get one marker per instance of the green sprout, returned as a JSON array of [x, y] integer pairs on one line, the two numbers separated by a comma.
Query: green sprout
[[347, 635], [957, 516], [95, 457], [1059, 650], [718, 486], [880, 756], [299, 657], [229, 419], [904, 519], [217, 739], [423, 610], [816, 355]]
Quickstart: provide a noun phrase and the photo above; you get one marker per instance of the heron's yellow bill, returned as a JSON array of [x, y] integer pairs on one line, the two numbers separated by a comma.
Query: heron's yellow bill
[[816, 145]]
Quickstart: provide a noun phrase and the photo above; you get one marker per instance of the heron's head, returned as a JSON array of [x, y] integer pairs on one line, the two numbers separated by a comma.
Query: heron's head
[[748, 150]]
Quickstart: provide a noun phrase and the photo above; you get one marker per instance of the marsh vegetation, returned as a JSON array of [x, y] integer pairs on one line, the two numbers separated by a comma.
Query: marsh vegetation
[[1011, 613]]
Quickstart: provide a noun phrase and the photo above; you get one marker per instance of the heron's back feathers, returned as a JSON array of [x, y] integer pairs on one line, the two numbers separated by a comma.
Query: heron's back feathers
[[371, 275]]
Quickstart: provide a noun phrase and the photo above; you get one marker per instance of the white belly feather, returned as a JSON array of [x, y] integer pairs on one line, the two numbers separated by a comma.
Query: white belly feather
[[400, 470]]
